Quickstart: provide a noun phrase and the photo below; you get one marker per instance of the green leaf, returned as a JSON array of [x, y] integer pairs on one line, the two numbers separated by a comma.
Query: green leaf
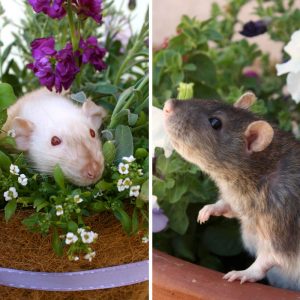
[[144, 194], [5, 161], [7, 96], [10, 209], [123, 217], [132, 119], [104, 186], [57, 244], [79, 97], [59, 177], [72, 226], [98, 206], [3, 117], [124, 142], [205, 70], [101, 88], [175, 194], [109, 152], [135, 221], [8, 141], [40, 203]]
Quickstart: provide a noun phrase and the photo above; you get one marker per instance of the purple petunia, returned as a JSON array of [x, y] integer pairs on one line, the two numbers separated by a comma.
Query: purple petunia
[[52, 8], [92, 53], [251, 29], [89, 8]]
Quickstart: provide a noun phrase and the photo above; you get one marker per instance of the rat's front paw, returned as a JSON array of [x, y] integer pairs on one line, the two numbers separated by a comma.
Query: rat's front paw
[[205, 213], [245, 275]]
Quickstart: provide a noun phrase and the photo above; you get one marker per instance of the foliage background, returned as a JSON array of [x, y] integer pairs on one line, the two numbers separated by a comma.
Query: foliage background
[[206, 54], [122, 89]]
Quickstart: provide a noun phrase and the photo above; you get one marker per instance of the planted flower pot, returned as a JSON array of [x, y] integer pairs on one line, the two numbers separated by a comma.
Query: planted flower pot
[[22, 250]]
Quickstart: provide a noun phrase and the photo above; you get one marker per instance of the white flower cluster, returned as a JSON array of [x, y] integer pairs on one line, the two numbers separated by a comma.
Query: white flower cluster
[[87, 237], [12, 193], [124, 184]]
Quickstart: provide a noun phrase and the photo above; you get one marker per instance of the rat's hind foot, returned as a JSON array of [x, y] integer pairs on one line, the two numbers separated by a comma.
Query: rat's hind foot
[[249, 275]]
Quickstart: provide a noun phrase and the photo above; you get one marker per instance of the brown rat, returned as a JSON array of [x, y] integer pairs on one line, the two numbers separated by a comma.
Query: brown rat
[[257, 169], [52, 130]]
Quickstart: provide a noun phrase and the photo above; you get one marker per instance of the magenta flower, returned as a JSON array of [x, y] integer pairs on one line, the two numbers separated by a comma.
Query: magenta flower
[[43, 70], [66, 68], [43, 47], [92, 53], [89, 8], [53, 68], [53, 8]]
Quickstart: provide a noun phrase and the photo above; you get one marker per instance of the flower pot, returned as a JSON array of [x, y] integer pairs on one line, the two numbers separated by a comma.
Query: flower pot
[[28, 251], [174, 278]]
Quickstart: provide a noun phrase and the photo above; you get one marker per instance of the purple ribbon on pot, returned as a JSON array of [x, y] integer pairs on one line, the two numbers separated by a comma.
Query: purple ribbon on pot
[[103, 278]]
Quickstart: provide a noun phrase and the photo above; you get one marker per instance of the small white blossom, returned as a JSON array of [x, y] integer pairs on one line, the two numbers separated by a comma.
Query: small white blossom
[[123, 168], [23, 180], [14, 169], [59, 210], [77, 199], [74, 258], [11, 133], [120, 185], [145, 239], [90, 256], [129, 158], [134, 191], [80, 230], [71, 238], [10, 194], [140, 172], [127, 183], [88, 237]]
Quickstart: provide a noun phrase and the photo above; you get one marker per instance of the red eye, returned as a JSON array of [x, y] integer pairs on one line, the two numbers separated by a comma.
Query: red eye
[[55, 141], [92, 133]]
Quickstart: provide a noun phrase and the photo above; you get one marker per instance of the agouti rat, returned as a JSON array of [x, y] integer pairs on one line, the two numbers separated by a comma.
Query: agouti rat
[[52, 130], [257, 169]]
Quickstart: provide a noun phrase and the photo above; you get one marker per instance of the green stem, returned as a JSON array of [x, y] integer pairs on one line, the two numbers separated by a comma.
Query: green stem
[[74, 37]]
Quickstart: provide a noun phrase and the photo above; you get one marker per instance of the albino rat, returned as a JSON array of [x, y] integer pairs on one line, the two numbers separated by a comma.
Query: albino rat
[[257, 169], [53, 130]]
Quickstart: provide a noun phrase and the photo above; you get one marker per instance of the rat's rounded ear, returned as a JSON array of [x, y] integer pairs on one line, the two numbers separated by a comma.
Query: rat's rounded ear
[[23, 129], [245, 101], [94, 112], [259, 135]]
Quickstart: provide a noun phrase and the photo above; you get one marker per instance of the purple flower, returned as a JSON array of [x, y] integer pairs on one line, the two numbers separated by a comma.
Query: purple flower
[[53, 68], [92, 53], [160, 220], [251, 29], [43, 47], [43, 70], [53, 8], [89, 8], [66, 68]]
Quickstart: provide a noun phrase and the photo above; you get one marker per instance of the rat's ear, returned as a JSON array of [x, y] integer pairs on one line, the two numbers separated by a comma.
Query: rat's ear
[[94, 112], [259, 135], [23, 129], [245, 101]]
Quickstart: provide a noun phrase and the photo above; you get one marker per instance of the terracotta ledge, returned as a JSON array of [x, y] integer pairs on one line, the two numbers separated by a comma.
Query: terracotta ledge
[[174, 278]]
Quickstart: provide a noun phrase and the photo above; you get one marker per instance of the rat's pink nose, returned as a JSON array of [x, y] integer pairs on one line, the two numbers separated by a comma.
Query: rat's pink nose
[[169, 107], [91, 170]]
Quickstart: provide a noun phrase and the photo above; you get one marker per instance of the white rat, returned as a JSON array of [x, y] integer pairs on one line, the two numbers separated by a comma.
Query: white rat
[[52, 130]]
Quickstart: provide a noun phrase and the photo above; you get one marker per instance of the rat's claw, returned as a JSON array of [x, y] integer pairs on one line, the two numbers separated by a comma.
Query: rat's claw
[[204, 214], [243, 276]]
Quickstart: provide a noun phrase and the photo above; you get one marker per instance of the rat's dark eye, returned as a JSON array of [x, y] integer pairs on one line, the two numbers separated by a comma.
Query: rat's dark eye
[[55, 141], [215, 123], [92, 133]]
